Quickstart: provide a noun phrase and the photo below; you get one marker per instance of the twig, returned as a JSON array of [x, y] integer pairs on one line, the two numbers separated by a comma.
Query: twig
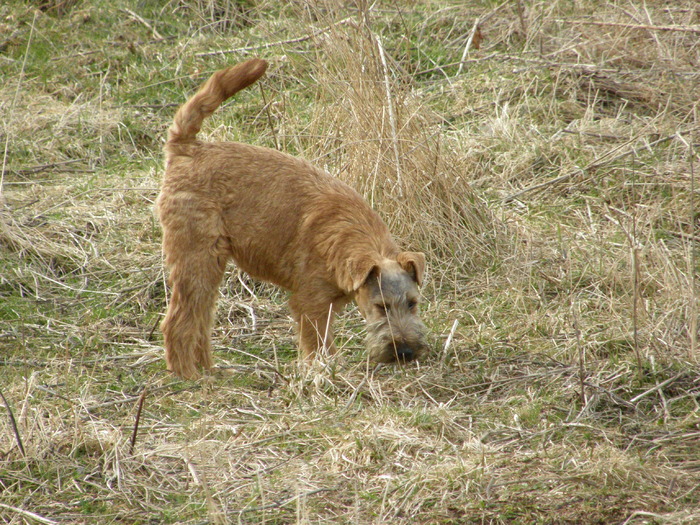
[[657, 387], [604, 159], [690, 29], [131, 399], [268, 45], [460, 63], [153, 329], [22, 362], [30, 515], [128, 43], [691, 238], [79, 290], [282, 503], [54, 393], [152, 106], [612, 395], [266, 107], [475, 29], [18, 438], [658, 518], [142, 398], [136, 17], [41, 167], [259, 46]]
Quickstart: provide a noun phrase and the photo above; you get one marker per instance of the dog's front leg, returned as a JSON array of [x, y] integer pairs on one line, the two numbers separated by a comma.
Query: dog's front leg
[[314, 315]]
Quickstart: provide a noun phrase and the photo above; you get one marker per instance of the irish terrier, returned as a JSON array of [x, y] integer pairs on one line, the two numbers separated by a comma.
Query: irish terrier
[[283, 221]]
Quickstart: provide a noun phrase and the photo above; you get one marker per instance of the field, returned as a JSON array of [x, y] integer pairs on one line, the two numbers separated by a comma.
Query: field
[[543, 154]]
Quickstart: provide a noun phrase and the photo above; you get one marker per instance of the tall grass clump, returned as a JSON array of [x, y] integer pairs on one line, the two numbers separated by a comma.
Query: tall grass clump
[[386, 143]]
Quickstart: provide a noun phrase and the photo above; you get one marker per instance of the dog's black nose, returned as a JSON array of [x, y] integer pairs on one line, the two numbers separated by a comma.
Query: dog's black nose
[[404, 352]]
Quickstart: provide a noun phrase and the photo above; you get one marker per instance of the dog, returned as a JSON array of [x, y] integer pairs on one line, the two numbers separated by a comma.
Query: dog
[[283, 221]]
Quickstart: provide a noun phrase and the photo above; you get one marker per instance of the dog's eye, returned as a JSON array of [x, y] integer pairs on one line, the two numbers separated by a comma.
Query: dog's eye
[[382, 308], [412, 303]]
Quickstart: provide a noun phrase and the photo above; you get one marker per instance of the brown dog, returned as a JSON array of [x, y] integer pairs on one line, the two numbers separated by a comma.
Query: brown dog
[[281, 220]]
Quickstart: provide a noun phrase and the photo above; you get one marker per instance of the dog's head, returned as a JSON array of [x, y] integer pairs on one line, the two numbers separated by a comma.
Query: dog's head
[[386, 292]]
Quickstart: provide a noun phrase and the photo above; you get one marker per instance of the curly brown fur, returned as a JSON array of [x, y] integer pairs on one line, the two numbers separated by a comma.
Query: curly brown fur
[[284, 221]]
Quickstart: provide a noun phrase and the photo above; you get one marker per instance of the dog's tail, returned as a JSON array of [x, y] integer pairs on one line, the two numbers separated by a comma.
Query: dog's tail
[[220, 86]]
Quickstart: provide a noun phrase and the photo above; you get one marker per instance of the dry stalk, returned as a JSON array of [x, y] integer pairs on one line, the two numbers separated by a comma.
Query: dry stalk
[[634, 246], [693, 264], [32, 516], [266, 107], [692, 240], [521, 17], [581, 359], [693, 249], [18, 438], [142, 398], [467, 46], [448, 341], [13, 104], [631, 236], [392, 117]]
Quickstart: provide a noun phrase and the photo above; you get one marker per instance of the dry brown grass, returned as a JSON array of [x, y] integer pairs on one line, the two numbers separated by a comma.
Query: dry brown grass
[[551, 178]]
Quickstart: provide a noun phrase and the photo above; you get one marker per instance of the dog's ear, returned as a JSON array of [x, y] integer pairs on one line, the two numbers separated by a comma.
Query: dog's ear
[[358, 271], [413, 263]]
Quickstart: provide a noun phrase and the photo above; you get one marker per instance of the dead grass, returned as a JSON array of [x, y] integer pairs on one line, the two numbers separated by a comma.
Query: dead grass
[[549, 170]]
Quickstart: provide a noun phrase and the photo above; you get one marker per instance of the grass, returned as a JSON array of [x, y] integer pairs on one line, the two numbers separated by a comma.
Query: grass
[[549, 172]]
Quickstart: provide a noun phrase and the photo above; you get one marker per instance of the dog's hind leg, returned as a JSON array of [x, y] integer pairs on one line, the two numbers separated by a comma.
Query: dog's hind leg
[[197, 267]]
